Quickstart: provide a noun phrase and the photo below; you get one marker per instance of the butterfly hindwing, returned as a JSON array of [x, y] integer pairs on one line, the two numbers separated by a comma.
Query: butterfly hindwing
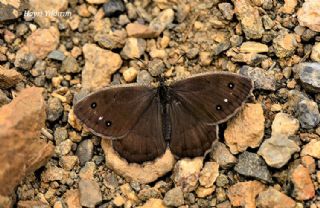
[[213, 97], [112, 112], [190, 136], [144, 142]]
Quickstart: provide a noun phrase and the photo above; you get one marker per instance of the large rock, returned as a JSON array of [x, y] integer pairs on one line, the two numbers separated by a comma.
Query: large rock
[[99, 67], [145, 173], [22, 152], [252, 120]]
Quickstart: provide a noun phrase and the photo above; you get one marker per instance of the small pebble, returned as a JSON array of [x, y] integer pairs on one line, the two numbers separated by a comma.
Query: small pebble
[[114, 8], [85, 151], [56, 55]]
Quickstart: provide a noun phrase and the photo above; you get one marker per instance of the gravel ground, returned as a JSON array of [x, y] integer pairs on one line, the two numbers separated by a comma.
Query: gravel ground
[[53, 53]]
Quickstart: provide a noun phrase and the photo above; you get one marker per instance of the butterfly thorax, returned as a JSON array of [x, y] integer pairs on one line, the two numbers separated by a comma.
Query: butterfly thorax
[[164, 96]]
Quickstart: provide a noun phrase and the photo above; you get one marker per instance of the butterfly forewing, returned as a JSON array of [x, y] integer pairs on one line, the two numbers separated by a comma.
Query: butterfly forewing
[[113, 112], [144, 142], [213, 97]]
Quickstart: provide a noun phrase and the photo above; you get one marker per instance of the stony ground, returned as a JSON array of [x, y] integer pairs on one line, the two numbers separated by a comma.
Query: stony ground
[[268, 155]]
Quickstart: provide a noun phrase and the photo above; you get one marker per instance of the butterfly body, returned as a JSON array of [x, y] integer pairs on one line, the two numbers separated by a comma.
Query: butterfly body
[[143, 120]]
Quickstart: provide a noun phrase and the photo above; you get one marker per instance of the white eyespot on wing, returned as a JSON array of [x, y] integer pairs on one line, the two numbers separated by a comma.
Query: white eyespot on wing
[[225, 100], [100, 118]]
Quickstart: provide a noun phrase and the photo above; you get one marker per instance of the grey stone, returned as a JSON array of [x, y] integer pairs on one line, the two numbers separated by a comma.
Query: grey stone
[[25, 61], [222, 180], [294, 98], [221, 154], [262, 80], [144, 77], [56, 55], [70, 65], [3, 98], [11, 10], [111, 41], [60, 134], [156, 67], [133, 48], [40, 81], [162, 21], [22, 29], [174, 197], [227, 10], [114, 8], [51, 72], [309, 74], [253, 165], [192, 53], [85, 151], [308, 114], [277, 150], [54, 109]]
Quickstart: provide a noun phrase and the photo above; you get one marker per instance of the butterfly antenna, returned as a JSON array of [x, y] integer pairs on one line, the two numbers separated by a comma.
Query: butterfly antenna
[[182, 55], [143, 63]]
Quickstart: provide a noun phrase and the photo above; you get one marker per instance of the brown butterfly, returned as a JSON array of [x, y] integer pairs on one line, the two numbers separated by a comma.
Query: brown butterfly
[[143, 120]]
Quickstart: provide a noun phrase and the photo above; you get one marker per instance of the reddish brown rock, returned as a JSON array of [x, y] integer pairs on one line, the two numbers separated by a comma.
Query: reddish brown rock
[[21, 149], [40, 43], [244, 193], [99, 67], [272, 198], [251, 119], [9, 78], [250, 19], [303, 186], [32, 204], [140, 31]]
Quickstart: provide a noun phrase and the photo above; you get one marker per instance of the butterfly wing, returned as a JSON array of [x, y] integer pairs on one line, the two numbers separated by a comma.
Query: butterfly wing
[[145, 141], [190, 136], [198, 104], [112, 112], [213, 97]]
